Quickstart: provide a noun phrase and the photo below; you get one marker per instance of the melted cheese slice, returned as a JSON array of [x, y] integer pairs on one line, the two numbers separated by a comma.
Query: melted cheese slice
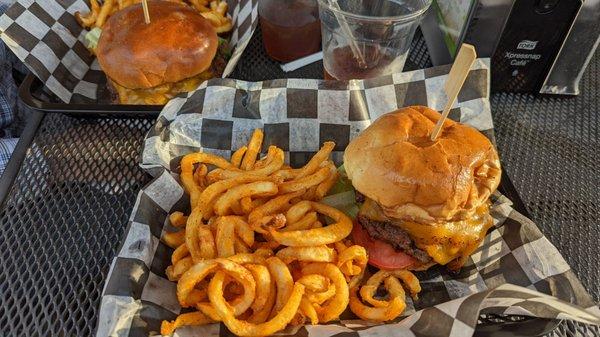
[[161, 94], [448, 242]]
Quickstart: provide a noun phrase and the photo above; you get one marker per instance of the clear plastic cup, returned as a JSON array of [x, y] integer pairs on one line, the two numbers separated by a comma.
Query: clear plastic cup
[[367, 38]]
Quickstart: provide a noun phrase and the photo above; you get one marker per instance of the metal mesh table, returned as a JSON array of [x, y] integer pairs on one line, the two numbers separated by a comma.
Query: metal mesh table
[[63, 218], [550, 147], [63, 221]]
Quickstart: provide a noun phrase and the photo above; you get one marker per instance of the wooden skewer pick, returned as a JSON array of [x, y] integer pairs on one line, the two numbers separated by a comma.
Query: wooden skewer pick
[[456, 78], [146, 12]]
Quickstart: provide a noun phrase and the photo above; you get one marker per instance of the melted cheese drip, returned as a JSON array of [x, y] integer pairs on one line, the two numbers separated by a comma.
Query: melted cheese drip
[[448, 242], [161, 94]]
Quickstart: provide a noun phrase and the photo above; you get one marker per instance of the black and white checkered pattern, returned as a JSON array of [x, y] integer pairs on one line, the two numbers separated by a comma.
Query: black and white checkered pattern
[[46, 37], [298, 115]]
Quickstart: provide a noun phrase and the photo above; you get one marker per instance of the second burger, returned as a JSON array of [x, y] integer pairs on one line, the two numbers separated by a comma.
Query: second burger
[[152, 63]]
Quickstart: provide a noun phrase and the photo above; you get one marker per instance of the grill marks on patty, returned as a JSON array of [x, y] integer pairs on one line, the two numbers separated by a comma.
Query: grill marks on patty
[[393, 235]]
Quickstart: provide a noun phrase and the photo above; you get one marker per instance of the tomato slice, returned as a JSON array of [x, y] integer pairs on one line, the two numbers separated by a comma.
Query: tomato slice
[[381, 254]]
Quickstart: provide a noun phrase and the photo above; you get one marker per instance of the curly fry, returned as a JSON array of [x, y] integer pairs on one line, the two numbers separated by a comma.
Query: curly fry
[[273, 162], [309, 311], [317, 236], [324, 187], [236, 158], [308, 254], [89, 19], [179, 253], [191, 318], [198, 238], [384, 310], [187, 171], [346, 259], [245, 328], [105, 11], [263, 285], [319, 297], [283, 280], [338, 303], [265, 212], [209, 196], [174, 239], [305, 182], [256, 140], [312, 166], [393, 310], [175, 271], [177, 219]]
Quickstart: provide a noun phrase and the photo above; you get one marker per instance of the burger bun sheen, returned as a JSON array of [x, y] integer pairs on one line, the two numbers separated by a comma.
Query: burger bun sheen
[[178, 43], [394, 163]]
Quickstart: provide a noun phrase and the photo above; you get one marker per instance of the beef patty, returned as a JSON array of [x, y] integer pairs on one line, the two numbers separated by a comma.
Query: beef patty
[[393, 235]]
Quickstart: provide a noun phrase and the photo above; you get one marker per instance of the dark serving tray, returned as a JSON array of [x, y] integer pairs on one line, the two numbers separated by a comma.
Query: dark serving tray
[[33, 93]]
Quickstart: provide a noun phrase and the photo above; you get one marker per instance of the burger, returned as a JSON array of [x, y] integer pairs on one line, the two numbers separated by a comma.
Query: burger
[[151, 63], [421, 202]]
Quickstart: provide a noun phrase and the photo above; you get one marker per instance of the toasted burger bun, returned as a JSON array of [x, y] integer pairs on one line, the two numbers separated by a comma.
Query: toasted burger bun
[[177, 44], [394, 163]]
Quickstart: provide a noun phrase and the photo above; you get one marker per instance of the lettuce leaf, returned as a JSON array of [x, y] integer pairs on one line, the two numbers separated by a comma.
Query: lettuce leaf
[[92, 37], [342, 195]]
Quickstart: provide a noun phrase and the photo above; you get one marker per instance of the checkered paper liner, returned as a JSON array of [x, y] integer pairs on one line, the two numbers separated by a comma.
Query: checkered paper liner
[[46, 37], [514, 271]]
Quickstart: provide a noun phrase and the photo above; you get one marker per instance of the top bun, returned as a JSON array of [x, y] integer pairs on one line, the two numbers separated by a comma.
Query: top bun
[[395, 163], [178, 43]]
